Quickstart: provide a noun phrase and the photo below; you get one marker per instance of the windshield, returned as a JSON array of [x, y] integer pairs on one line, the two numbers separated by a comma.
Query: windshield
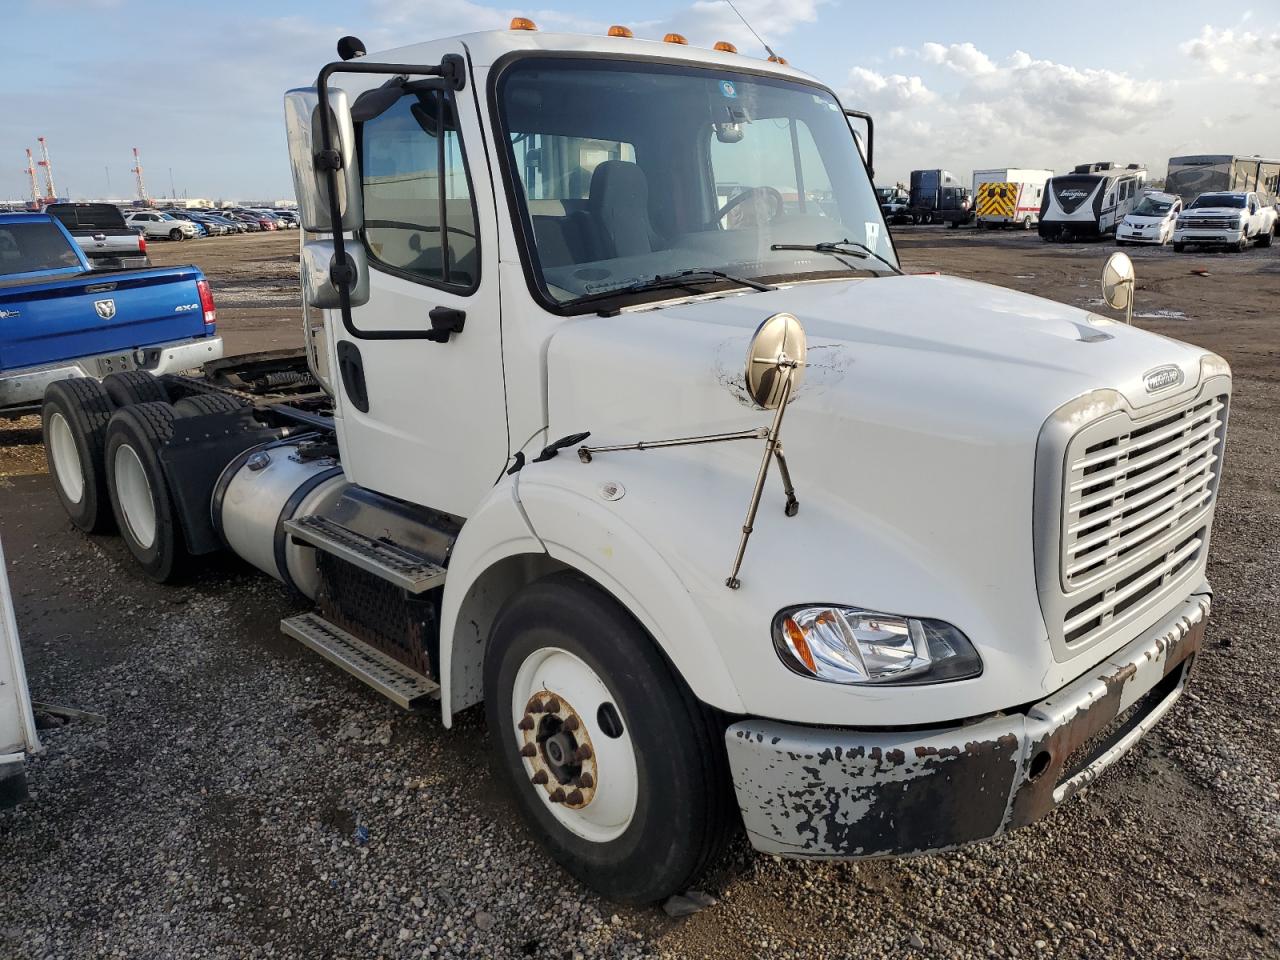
[[1149, 207], [630, 170], [1218, 200]]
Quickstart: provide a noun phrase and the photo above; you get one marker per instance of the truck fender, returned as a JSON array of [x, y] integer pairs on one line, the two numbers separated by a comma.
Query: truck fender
[[499, 551]]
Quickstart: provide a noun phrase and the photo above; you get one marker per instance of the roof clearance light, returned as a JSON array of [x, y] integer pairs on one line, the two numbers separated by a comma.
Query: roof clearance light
[[619, 31], [774, 58], [675, 38], [523, 23], [724, 46]]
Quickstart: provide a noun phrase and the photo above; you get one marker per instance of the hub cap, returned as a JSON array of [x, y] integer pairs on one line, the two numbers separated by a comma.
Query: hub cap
[[586, 776], [66, 459], [134, 493]]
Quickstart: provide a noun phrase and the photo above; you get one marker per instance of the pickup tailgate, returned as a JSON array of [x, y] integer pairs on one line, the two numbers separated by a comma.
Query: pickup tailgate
[[96, 313]]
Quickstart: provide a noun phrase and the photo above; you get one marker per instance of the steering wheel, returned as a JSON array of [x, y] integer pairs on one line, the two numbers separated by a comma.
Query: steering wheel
[[774, 199]]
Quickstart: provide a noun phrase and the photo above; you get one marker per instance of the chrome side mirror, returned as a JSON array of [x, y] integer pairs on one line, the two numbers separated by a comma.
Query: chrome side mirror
[[1118, 283], [306, 153], [317, 266], [775, 360]]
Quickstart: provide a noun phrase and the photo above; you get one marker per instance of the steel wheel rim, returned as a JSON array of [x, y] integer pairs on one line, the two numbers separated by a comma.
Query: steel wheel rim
[[551, 686], [133, 491], [66, 459]]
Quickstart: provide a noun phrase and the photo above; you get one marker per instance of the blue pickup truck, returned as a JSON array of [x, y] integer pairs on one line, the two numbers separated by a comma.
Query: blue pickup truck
[[59, 318]]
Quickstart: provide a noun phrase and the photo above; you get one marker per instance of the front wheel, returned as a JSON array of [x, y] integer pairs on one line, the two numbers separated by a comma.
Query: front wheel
[[175, 234], [620, 772], [1243, 243]]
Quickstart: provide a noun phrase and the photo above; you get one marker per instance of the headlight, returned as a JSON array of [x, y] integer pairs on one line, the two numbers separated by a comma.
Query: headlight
[[849, 645]]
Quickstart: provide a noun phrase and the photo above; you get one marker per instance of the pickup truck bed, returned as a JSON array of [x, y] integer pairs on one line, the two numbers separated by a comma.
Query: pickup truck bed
[[60, 319]]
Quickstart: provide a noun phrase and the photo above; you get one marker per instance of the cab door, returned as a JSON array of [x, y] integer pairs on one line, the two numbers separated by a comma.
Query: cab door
[[424, 419]]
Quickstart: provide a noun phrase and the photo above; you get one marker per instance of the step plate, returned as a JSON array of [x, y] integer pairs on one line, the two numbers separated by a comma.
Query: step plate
[[389, 677], [389, 561]]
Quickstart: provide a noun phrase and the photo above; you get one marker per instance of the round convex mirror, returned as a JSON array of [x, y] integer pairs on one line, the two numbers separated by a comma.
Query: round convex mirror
[[1117, 282], [779, 346]]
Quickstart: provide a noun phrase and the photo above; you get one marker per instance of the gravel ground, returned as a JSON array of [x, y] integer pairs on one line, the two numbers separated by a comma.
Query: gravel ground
[[237, 797]]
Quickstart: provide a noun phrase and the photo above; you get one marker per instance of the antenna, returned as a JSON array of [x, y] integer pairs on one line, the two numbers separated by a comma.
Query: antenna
[[768, 48], [31, 172], [137, 172], [51, 192]]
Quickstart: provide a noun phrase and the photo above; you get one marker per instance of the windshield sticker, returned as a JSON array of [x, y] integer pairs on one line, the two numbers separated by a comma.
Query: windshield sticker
[[728, 89], [873, 233]]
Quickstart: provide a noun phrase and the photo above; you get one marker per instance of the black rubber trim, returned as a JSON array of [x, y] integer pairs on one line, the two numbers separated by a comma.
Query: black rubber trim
[[286, 513]]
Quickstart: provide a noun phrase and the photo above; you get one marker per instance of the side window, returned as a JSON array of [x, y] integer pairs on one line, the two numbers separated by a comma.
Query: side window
[[420, 221], [774, 153]]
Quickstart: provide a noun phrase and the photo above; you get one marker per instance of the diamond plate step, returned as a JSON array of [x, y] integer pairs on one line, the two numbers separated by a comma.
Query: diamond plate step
[[389, 561], [389, 677]]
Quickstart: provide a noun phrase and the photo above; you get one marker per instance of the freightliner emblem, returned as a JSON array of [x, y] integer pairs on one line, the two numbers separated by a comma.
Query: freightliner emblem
[[1162, 378]]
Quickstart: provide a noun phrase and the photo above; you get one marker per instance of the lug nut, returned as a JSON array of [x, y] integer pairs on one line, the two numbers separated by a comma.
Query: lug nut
[[583, 752], [553, 705], [540, 777], [557, 795], [575, 797], [572, 723], [586, 780], [526, 722], [528, 750], [536, 706]]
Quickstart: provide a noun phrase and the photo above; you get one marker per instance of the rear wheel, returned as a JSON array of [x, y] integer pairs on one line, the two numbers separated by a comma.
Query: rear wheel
[[128, 387], [206, 403], [1178, 247], [75, 419], [1266, 238], [1026, 223], [618, 769], [140, 497]]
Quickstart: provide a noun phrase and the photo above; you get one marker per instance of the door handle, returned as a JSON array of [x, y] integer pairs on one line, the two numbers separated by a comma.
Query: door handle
[[445, 321]]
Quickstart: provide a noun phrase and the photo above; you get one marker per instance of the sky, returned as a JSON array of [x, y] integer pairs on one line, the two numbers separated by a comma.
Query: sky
[[197, 87]]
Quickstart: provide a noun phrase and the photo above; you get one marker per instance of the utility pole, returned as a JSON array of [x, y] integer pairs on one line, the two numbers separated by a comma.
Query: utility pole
[[173, 193], [107, 169]]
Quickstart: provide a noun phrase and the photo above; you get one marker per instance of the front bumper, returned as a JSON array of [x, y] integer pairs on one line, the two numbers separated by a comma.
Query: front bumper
[[1208, 236], [1147, 236], [827, 792], [25, 387]]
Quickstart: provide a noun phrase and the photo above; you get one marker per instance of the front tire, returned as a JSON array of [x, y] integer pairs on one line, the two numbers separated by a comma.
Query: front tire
[[644, 811], [140, 497], [175, 234]]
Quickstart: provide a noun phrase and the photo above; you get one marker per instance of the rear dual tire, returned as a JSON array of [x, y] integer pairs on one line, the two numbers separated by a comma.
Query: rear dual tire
[[650, 808], [75, 417], [140, 497]]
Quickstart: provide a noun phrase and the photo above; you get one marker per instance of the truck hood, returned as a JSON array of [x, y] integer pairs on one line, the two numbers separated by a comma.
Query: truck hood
[[1216, 211], [911, 349]]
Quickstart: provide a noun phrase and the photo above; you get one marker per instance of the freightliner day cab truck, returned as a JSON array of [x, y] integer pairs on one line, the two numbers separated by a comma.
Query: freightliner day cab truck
[[563, 370]]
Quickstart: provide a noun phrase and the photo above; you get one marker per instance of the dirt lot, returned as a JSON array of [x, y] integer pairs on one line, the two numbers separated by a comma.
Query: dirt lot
[[212, 811]]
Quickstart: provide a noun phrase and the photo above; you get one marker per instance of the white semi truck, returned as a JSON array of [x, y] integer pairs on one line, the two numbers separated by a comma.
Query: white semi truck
[[539, 463]]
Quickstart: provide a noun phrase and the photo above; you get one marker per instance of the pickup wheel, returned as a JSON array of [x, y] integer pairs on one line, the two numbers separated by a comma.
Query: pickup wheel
[[75, 416], [1243, 243], [127, 387], [206, 403], [140, 497], [1178, 247], [620, 772], [1265, 238]]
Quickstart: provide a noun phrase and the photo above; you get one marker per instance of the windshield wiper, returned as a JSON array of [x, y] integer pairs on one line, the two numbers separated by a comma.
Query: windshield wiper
[[684, 279], [851, 248]]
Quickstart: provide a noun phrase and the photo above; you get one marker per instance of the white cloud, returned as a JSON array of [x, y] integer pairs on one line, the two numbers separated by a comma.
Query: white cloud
[[1242, 54], [1021, 110]]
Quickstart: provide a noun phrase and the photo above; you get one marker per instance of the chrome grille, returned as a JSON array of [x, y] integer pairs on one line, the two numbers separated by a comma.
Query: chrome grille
[[1137, 498], [1212, 223]]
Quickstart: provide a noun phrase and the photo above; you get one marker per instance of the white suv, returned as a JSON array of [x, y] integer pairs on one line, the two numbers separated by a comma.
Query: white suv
[[157, 224]]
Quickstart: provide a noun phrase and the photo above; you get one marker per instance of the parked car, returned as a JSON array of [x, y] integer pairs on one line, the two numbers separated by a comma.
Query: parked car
[[228, 226], [159, 223], [201, 230], [212, 228], [895, 204], [1152, 220], [250, 224], [101, 232], [1233, 219], [60, 320], [289, 217]]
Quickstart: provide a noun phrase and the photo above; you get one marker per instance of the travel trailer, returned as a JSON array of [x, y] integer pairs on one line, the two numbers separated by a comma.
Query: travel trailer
[[1009, 196], [1222, 173], [17, 725], [1090, 201]]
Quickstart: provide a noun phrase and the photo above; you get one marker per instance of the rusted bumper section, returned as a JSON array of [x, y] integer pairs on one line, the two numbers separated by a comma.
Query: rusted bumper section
[[824, 792]]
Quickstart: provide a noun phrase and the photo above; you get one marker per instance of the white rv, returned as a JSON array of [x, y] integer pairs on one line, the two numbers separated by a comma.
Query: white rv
[[1090, 201], [1008, 196], [17, 725]]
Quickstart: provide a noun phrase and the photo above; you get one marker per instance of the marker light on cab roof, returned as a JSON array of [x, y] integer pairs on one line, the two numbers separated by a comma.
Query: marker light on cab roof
[[675, 38], [774, 58], [523, 23], [620, 31], [724, 46]]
